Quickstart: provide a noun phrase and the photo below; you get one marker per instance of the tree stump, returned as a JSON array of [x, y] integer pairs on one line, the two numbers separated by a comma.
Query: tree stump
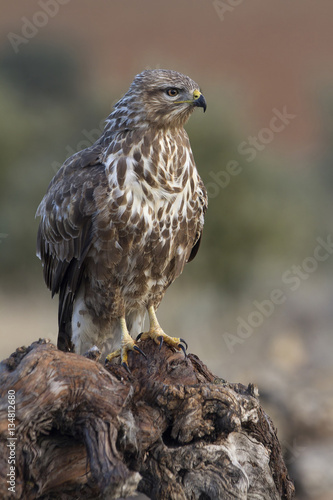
[[170, 429]]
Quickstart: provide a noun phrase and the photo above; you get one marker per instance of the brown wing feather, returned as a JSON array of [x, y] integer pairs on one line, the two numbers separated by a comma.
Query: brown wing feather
[[204, 204], [195, 249], [65, 232]]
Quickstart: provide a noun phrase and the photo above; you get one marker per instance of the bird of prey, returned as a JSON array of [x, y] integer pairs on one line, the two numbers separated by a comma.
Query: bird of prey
[[121, 218]]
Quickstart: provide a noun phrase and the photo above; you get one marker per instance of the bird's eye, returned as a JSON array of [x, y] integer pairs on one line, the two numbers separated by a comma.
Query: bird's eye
[[172, 92]]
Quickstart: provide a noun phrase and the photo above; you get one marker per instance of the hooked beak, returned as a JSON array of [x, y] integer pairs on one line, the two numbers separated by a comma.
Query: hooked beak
[[198, 100]]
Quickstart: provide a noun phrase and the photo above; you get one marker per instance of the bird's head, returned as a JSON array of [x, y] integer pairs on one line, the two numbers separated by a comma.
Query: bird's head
[[162, 98]]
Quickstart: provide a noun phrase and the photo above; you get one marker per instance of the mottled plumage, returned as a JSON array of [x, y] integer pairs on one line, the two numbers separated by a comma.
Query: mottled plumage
[[121, 218]]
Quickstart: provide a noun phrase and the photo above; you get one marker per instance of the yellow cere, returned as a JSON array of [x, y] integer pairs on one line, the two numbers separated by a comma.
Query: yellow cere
[[196, 94]]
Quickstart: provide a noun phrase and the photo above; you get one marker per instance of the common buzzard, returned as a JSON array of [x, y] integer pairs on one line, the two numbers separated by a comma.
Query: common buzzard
[[121, 218]]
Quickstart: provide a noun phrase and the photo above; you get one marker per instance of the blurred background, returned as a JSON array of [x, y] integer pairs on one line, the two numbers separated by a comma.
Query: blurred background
[[260, 291]]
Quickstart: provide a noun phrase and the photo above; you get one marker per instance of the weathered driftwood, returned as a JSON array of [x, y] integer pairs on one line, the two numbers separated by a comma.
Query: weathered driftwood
[[170, 429]]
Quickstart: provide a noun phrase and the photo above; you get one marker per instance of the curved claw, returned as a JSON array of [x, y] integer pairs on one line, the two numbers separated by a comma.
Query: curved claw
[[139, 336], [125, 365], [183, 349], [112, 355], [184, 342], [137, 349], [160, 338]]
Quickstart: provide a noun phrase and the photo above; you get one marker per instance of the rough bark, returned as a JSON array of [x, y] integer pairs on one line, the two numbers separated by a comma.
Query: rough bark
[[170, 429]]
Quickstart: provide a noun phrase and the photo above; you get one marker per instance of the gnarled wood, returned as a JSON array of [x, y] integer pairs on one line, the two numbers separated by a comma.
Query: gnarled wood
[[170, 429]]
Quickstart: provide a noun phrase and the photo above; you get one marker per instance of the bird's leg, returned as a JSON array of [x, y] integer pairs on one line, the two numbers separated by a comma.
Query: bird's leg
[[157, 334], [127, 344]]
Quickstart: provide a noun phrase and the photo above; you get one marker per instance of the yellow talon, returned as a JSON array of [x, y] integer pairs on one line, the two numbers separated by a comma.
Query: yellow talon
[[112, 355], [157, 334], [127, 344]]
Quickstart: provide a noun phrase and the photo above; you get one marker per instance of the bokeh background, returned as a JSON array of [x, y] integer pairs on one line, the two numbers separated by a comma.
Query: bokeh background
[[256, 304]]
